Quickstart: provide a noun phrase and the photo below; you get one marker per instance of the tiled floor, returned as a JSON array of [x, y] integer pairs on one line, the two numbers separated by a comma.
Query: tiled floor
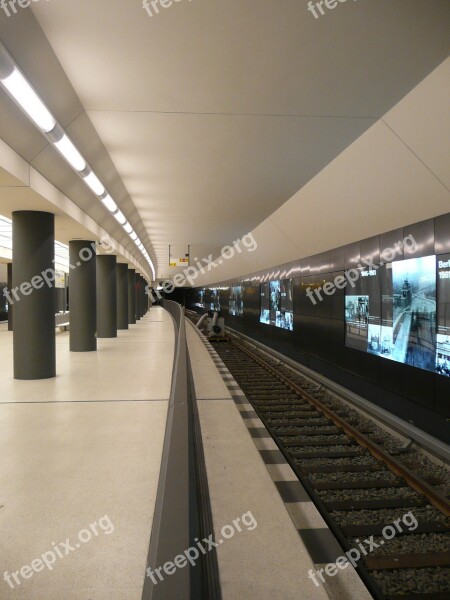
[[79, 449]]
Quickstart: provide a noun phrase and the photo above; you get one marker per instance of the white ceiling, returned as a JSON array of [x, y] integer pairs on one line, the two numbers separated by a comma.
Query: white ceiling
[[396, 174], [216, 112]]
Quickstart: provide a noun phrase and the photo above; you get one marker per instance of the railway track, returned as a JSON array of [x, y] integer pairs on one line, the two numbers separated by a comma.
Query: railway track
[[351, 470]]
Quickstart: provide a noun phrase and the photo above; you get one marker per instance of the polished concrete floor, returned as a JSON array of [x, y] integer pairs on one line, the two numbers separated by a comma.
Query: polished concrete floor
[[79, 450]]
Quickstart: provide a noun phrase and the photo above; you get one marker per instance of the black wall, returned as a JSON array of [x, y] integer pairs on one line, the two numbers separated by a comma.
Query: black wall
[[318, 339]]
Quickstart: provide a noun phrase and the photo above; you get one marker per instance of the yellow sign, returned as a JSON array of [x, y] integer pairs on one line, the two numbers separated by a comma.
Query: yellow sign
[[179, 262]]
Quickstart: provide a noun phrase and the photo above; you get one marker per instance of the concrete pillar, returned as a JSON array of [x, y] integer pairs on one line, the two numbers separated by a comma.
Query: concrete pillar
[[83, 296], [33, 280], [131, 296], [144, 297], [122, 296], [106, 296], [10, 305], [138, 297]]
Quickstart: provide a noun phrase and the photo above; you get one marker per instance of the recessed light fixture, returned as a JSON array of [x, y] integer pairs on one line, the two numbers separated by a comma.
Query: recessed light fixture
[[120, 217], [70, 153], [94, 183], [28, 100], [109, 203]]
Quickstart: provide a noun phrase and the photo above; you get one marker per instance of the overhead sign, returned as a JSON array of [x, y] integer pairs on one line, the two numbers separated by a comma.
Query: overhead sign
[[178, 256], [179, 262]]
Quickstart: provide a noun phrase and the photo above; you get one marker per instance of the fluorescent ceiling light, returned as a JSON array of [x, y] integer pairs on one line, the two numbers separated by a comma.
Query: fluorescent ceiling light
[[120, 217], [94, 183], [26, 97], [109, 203], [70, 153]]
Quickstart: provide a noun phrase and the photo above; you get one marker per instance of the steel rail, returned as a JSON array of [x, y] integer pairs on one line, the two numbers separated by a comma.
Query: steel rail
[[414, 481]]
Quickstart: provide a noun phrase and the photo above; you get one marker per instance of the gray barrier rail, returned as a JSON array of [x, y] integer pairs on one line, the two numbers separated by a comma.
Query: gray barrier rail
[[182, 511], [62, 319]]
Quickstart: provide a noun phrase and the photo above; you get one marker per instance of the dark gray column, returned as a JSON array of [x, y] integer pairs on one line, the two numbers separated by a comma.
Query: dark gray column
[[145, 297], [131, 296], [142, 297], [83, 296], [33, 283], [138, 297], [106, 296], [122, 296], [10, 306]]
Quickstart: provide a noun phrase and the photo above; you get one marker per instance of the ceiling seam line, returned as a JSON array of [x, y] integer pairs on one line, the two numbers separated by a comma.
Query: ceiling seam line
[[415, 154], [47, 144], [83, 110], [283, 232], [224, 114]]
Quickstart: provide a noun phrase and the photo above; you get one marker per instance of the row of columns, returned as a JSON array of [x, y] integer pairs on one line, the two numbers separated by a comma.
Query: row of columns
[[104, 296]]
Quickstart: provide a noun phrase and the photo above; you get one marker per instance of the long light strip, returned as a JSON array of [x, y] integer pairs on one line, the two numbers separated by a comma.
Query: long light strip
[[25, 96], [120, 217], [109, 204], [70, 153], [95, 184]]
